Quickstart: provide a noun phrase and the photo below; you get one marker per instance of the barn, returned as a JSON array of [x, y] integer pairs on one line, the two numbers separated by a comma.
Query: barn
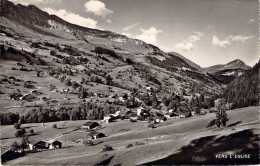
[[90, 125], [38, 145], [96, 135], [54, 144]]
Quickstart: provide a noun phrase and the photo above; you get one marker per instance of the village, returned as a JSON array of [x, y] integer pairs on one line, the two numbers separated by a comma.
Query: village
[[92, 130], [74, 94]]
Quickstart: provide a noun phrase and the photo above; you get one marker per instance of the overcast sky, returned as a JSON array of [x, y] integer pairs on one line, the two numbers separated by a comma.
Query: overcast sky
[[207, 32]]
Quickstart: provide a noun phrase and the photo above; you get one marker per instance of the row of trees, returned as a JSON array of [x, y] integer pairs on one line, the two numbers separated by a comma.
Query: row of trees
[[202, 102], [9, 118], [146, 73], [89, 110]]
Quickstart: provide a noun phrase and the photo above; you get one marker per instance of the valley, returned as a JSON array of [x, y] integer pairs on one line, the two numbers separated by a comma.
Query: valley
[[71, 95]]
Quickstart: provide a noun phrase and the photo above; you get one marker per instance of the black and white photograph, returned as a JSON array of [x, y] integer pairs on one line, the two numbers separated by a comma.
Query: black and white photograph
[[129, 82]]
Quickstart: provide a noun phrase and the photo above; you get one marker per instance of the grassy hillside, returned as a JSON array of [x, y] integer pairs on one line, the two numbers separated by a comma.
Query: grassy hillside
[[150, 145]]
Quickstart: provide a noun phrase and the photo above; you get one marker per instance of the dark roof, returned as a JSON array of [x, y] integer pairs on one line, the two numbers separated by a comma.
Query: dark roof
[[54, 142], [90, 123], [37, 142], [96, 134], [158, 117]]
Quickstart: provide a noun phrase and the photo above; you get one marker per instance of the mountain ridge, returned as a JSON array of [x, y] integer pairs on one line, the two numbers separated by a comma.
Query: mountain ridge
[[31, 14], [232, 65]]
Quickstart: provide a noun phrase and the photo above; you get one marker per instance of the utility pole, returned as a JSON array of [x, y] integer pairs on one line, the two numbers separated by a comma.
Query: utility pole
[[65, 141]]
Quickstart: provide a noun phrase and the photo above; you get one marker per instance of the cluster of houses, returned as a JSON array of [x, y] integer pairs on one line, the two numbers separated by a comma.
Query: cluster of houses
[[144, 114], [9, 154], [51, 144], [92, 126]]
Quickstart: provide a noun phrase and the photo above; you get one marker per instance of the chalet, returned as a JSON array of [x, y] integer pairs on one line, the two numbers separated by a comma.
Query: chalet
[[113, 96], [54, 144], [123, 97], [139, 110], [171, 115], [129, 114], [38, 145], [159, 118], [54, 101], [4, 80], [133, 119], [149, 88], [12, 78], [96, 135], [35, 92], [66, 98], [8, 154], [170, 110], [185, 114], [109, 119], [90, 125], [115, 115], [44, 98], [27, 97], [15, 96]]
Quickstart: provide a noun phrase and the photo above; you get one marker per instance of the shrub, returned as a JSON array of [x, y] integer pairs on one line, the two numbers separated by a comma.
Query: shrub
[[54, 126], [31, 131], [211, 123], [197, 110], [107, 148], [139, 143], [14, 146], [88, 142], [129, 145], [20, 133], [17, 126], [129, 61]]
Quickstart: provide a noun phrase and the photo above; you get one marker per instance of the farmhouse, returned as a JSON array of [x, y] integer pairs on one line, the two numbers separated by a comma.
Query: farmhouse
[[171, 115], [44, 98], [159, 118], [96, 135], [139, 110], [133, 119], [38, 145], [149, 88], [35, 92], [8, 154], [54, 144], [27, 97], [109, 119], [15, 96], [185, 114], [90, 125]]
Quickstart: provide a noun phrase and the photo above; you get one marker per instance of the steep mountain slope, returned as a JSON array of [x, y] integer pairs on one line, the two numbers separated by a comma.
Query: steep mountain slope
[[37, 20], [87, 63]]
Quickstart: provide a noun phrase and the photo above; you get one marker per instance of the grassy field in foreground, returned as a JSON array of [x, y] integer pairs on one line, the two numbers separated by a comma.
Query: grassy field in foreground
[[172, 139]]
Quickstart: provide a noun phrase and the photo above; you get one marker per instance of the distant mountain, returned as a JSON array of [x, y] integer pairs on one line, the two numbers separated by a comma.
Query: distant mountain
[[228, 72], [235, 64]]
